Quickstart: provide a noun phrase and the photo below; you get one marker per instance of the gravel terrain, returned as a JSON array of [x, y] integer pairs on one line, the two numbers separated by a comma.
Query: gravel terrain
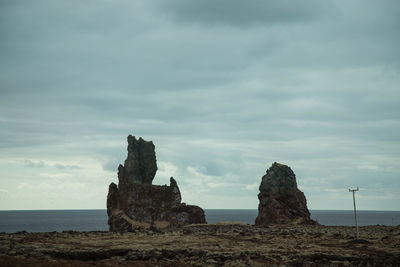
[[222, 244]]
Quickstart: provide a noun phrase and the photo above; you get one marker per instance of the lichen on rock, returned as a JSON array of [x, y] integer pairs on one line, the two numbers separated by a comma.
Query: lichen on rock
[[135, 202], [281, 202]]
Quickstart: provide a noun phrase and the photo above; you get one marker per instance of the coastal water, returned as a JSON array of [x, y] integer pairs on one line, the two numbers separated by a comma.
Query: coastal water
[[96, 220]]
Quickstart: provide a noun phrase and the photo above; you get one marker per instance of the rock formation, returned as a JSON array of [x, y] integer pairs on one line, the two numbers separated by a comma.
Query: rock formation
[[281, 202], [136, 203]]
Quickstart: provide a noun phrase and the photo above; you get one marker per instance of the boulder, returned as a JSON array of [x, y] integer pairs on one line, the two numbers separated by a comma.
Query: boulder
[[281, 202], [137, 203]]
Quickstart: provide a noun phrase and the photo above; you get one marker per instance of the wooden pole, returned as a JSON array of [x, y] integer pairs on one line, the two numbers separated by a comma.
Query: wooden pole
[[355, 210]]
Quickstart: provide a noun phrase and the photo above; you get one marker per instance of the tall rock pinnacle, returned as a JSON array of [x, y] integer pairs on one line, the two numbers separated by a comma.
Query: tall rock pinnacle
[[135, 202], [281, 202], [140, 165]]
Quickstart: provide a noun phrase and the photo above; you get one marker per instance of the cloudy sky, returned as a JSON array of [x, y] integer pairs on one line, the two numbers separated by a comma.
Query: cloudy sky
[[224, 88]]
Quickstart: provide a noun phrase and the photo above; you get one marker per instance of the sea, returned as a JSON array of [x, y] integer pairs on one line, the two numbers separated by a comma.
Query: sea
[[96, 220]]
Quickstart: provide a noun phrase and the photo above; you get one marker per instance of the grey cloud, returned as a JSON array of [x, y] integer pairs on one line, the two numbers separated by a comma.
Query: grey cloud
[[245, 14], [111, 165], [225, 90], [42, 164], [67, 167], [34, 164]]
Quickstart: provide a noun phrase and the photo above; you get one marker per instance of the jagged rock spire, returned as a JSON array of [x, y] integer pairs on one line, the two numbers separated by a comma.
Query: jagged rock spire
[[136, 202], [140, 165]]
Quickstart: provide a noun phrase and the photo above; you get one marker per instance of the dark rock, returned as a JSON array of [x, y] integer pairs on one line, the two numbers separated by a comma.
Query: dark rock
[[112, 198], [136, 203], [281, 202], [140, 165], [359, 241], [88, 255], [119, 222]]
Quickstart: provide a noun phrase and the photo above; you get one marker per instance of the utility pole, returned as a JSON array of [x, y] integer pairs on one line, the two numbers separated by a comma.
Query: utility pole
[[355, 211]]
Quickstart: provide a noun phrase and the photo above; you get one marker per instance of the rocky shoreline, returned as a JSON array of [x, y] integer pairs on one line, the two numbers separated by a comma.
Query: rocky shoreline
[[221, 244]]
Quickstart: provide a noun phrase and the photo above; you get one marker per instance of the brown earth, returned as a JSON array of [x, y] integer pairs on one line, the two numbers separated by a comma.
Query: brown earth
[[223, 244]]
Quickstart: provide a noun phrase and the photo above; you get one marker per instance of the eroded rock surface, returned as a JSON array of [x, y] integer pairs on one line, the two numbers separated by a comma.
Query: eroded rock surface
[[281, 202], [135, 203]]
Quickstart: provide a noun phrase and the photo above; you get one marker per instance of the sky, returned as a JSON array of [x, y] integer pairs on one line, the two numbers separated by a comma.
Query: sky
[[223, 88]]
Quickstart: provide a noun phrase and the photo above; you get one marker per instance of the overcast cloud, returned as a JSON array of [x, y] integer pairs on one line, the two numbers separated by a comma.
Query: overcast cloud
[[223, 88]]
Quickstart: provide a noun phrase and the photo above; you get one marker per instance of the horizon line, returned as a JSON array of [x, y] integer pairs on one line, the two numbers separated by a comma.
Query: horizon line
[[203, 209]]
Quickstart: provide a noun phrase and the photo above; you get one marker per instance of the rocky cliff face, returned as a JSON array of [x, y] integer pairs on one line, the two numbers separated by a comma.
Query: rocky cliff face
[[281, 202], [136, 203]]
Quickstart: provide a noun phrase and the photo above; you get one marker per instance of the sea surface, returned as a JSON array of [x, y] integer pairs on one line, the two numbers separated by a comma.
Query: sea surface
[[96, 220]]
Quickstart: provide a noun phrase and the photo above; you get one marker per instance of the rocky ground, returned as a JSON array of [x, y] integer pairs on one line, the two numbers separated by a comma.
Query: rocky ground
[[229, 244]]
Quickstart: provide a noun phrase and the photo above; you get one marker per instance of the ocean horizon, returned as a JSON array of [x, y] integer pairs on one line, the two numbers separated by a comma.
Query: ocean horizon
[[96, 219]]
